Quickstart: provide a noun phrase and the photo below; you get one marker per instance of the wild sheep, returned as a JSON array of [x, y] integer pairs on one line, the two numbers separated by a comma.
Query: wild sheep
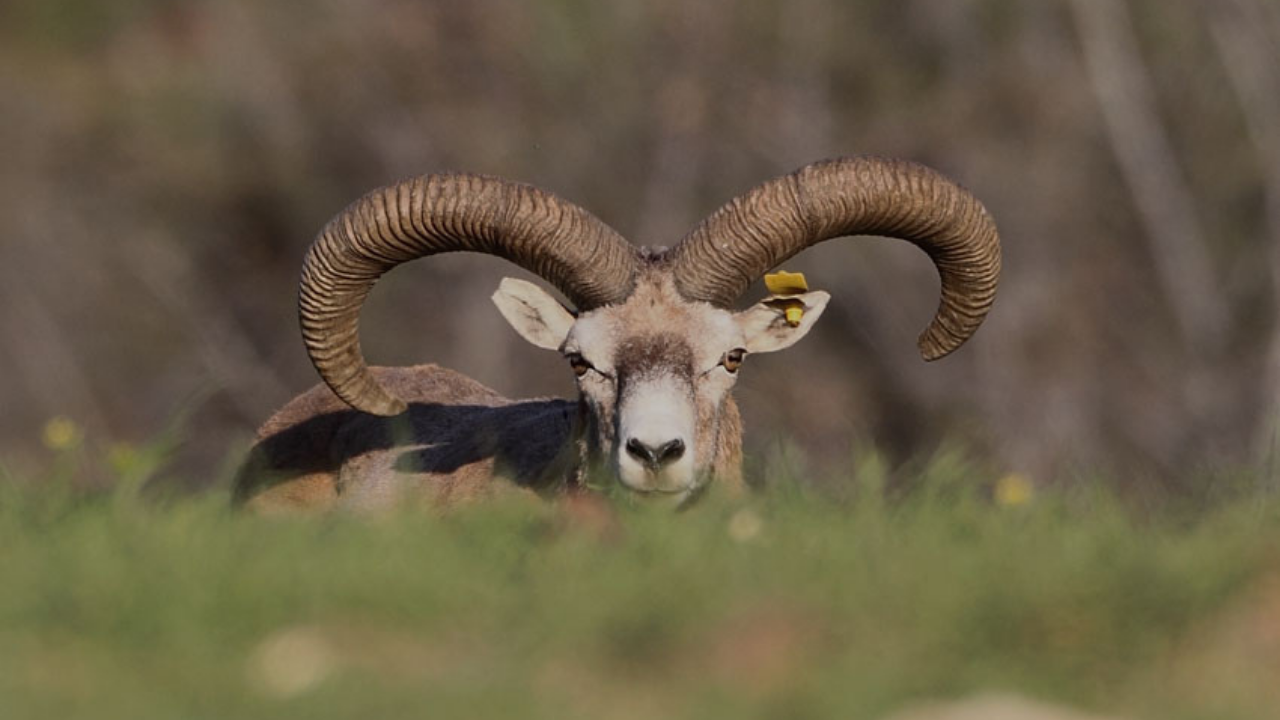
[[652, 340]]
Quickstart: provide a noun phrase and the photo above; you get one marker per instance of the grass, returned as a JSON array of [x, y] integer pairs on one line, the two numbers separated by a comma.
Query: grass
[[786, 604]]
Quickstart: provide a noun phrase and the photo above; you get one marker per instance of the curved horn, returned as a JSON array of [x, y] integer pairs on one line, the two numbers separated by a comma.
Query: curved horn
[[763, 227], [570, 248]]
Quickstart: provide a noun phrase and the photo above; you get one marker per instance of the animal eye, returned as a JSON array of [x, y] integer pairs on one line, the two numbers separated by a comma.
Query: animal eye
[[732, 360], [579, 364]]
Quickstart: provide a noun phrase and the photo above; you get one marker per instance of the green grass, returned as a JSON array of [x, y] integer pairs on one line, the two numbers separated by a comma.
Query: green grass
[[787, 604]]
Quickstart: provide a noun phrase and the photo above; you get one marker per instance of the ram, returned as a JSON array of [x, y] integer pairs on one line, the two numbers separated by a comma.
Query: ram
[[651, 337]]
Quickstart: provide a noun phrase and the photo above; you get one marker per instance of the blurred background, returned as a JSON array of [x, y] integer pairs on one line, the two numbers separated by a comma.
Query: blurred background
[[164, 165]]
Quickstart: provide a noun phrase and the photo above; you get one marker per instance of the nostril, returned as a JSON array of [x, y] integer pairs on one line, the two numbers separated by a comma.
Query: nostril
[[655, 458], [641, 452], [671, 451]]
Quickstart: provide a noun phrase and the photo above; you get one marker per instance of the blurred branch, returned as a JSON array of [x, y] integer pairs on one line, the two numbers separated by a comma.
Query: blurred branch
[[684, 101], [1272, 12], [198, 130], [679, 159], [804, 113], [219, 341], [1252, 61], [51, 370], [1164, 202]]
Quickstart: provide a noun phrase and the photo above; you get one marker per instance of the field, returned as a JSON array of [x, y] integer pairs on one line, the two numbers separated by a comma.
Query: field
[[789, 603], [167, 164]]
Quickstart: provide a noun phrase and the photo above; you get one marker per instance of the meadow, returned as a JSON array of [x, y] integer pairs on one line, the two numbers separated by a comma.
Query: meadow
[[167, 163], [852, 598]]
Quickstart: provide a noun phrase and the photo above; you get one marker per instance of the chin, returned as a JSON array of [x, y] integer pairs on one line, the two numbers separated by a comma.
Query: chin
[[676, 500], [643, 490]]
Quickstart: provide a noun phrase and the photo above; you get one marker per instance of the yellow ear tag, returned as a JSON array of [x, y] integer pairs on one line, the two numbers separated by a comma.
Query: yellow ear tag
[[794, 313], [785, 283], [782, 284]]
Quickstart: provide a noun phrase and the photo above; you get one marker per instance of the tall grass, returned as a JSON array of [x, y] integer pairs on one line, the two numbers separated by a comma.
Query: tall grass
[[789, 603]]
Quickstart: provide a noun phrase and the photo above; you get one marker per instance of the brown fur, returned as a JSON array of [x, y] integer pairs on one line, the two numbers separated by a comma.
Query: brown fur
[[457, 435], [655, 320], [316, 453], [727, 466], [663, 351]]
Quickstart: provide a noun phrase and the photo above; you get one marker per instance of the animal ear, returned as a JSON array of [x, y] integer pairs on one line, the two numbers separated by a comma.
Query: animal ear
[[537, 316], [778, 322]]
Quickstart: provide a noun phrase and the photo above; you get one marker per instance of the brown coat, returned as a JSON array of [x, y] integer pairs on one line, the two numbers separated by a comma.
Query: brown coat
[[456, 436]]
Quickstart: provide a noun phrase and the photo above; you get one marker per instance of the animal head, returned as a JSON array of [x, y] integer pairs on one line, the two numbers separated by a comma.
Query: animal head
[[652, 338], [656, 370]]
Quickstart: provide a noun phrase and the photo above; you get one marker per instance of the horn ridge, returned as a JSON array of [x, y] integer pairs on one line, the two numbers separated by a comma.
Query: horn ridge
[[763, 227], [567, 246]]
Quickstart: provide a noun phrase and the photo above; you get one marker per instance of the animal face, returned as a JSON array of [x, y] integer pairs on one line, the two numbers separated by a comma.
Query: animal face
[[655, 372]]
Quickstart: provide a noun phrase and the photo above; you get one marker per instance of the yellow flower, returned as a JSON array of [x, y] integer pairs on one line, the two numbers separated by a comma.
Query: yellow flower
[[61, 433], [122, 457], [1013, 490]]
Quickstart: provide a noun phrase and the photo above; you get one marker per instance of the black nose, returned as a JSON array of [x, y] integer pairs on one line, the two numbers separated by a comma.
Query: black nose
[[655, 458]]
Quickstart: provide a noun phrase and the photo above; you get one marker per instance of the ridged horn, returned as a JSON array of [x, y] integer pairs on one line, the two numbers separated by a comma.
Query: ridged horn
[[765, 226], [564, 244]]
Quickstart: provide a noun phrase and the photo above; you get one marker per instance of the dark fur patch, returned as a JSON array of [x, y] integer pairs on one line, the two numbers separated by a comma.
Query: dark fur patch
[[641, 356]]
